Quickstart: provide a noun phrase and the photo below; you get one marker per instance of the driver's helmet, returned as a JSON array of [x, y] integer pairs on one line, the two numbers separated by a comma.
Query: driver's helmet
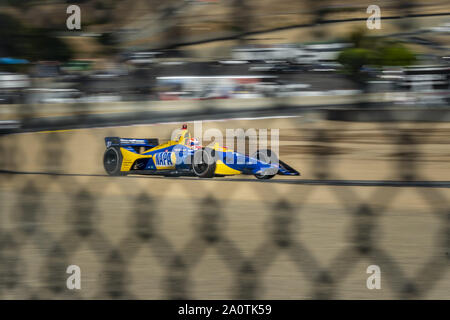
[[193, 142]]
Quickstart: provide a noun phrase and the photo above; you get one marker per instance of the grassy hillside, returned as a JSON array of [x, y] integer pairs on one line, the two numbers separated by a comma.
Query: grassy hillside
[[155, 23]]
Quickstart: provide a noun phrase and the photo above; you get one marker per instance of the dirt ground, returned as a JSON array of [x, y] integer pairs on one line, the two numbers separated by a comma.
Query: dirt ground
[[153, 237]]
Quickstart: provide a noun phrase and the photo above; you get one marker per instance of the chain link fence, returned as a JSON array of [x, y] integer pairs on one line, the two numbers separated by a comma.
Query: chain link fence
[[370, 194]]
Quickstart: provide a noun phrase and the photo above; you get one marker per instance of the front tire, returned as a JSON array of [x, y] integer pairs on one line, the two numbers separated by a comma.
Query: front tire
[[204, 164], [112, 161], [269, 157]]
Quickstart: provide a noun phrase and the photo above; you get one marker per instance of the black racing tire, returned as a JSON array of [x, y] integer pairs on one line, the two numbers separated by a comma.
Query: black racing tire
[[112, 161], [204, 163], [266, 155]]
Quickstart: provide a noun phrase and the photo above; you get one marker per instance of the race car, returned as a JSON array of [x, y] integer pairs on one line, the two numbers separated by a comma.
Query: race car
[[183, 156]]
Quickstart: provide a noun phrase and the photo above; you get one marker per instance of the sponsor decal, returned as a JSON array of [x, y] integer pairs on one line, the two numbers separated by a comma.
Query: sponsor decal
[[164, 159]]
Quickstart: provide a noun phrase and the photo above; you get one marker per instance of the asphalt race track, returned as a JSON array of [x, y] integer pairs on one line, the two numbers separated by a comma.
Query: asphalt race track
[[361, 183]]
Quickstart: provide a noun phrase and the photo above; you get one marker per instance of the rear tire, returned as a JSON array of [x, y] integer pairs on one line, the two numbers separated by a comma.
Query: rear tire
[[266, 156], [112, 161], [204, 164]]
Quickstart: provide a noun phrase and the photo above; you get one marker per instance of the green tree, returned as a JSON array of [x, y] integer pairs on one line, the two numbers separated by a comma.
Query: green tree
[[372, 51], [396, 55]]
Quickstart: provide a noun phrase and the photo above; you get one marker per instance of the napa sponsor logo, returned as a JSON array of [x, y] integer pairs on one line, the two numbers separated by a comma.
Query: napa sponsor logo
[[164, 159]]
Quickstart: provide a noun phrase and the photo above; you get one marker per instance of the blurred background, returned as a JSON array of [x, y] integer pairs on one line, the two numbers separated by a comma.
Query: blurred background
[[145, 50], [363, 114]]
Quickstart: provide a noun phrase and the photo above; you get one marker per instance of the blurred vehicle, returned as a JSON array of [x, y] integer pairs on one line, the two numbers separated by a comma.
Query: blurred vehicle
[[108, 73], [326, 67], [416, 85], [13, 81], [305, 57], [264, 53], [232, 62], [277, 68], [268, 89], [46, 69], [110, 81], [7, 97], [8, 126], [183, 156], [276, 89], [141, 58], [46, 95], [175, 95], [246, 94], [206, 87], [291, 90], [326, 51], [419, 78], [11, 86]]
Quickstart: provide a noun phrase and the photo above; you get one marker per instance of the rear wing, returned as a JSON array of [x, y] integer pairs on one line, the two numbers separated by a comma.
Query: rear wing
[[116, 141]]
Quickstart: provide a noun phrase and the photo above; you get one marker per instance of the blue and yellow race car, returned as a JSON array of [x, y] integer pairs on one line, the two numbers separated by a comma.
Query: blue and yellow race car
[[183, 157]]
